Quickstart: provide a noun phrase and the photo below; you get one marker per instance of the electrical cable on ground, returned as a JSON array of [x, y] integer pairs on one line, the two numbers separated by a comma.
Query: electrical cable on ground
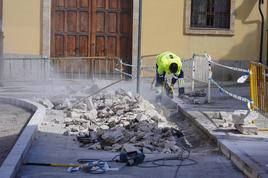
[[98, 166], [180, 157]]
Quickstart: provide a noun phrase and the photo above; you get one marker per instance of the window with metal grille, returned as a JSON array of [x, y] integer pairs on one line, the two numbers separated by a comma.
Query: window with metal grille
[[210, 14]]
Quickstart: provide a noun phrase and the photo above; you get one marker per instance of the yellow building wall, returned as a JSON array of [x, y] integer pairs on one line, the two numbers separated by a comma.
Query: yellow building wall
[[163, 29], [22, 26]]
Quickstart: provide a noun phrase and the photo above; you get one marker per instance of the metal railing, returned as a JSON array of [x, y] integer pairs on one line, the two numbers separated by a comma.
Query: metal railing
[[259, 86], [197, 73], [85, 67], [26, 69], [148, 64], [71, 68], [121, 69]]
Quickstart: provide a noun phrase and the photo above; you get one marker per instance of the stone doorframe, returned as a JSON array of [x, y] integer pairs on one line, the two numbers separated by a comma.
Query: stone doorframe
[[46, 31]]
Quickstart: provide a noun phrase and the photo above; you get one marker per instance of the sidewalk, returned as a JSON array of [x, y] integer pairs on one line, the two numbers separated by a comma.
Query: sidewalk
[[247, 152], [52, 146]]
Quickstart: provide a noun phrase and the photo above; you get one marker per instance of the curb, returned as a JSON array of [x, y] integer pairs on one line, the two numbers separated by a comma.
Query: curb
[[244, 164], [197, 121], [23, 144]]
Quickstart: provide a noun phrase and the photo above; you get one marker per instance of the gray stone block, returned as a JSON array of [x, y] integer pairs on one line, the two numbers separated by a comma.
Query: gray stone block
[[245, 118], [247, 129]]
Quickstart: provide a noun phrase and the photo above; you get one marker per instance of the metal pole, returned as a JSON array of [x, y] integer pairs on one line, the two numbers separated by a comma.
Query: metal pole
[[267, 46], [193, 73], [139, 48], [262, 28], [209, 79], [1, 43]]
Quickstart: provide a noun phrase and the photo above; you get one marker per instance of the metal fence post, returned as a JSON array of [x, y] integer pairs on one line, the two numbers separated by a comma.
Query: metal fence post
[[139, 49], [193, 73], [209, 78]]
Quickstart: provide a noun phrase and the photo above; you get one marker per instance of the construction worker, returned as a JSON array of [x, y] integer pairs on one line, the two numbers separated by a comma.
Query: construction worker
[[169, 63]]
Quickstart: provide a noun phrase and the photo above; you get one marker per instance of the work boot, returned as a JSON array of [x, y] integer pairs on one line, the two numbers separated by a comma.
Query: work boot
[[181, 91]]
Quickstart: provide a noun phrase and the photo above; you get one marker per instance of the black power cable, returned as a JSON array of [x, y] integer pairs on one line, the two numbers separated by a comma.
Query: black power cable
[[181, 157]]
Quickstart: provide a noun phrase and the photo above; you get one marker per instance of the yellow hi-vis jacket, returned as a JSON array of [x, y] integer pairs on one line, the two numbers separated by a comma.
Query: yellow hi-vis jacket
[[163, 61]]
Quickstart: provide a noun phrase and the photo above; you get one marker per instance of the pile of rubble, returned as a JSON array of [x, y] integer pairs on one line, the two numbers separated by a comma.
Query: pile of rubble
[[109, 120]]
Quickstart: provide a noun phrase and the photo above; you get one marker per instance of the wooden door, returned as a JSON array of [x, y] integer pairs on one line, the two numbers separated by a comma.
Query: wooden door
[[71, 22], [112, 35], [92, 28]]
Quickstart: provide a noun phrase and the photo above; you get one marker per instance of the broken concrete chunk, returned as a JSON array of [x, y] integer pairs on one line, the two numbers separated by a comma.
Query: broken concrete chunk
[[144, 126], [67, 132], [125, 123], [108, 120], [158, 118], [240, 113], [56, 121], [112, 136], [133, 140], [108, 148], [141, 117], [73, 114], [80, 106], [139, 135], [151, 113], [75, 129], [96, 146], [224, 124], [104, 127], [45, 102], [90, 105], [248, 118], [116, 147], [68, 119], [66, 104], [249, 129], [197, 93], [108, 102], [128, 148], [91, 115], [227, 116]]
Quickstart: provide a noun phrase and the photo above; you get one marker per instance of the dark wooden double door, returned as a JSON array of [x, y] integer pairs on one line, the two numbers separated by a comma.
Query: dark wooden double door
[[84, 28]]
